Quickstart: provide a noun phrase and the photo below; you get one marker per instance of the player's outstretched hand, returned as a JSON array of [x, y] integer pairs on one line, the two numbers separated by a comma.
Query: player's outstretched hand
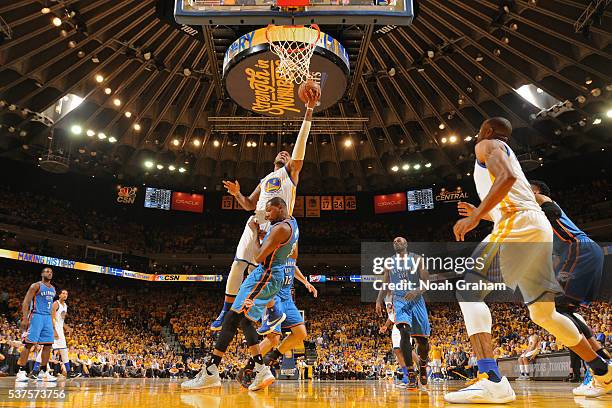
[[465, 209], [232, 187]]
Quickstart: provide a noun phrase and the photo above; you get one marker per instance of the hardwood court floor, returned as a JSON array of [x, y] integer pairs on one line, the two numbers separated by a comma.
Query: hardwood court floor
[[109, 393]]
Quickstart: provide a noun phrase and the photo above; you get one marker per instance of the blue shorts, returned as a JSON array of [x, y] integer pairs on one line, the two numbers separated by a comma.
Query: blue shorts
[[260, 286], [580, 269], [40, 330], [413, 313], [294, 317]]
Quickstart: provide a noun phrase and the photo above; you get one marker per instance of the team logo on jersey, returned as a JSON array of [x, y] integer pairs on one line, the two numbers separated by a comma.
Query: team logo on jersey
[[272, 185]]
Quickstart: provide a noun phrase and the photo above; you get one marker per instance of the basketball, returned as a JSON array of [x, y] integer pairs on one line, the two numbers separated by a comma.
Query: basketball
[[308, 87]]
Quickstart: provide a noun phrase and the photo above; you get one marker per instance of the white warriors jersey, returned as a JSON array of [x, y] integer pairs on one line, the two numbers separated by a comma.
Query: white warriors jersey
[[519, 198], [60, 315], [276, 184], [390, 309]]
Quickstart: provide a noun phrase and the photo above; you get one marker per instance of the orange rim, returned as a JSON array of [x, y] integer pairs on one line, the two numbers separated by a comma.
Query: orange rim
[[311, 45]]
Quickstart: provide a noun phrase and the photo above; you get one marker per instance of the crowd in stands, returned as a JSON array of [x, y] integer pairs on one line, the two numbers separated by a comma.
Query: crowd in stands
[[213, 234], [146, 330]]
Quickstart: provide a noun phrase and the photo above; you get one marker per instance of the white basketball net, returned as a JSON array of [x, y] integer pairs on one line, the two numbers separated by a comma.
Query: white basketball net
[[294, 46]]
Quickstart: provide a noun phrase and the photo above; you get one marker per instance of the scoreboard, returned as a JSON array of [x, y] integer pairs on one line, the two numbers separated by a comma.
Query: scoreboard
[[420, 199], [158, 198]]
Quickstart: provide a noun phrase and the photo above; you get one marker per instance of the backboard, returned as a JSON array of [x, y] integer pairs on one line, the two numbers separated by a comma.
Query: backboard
[[322, 12]]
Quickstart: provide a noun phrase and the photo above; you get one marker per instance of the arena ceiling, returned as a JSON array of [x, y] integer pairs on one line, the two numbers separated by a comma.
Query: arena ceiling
[[160, 98]]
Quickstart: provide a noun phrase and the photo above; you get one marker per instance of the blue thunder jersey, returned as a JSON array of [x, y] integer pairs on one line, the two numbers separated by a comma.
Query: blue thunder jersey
[[404, 272], [285, 292], [43, 300], [566, 230], [278, 258]]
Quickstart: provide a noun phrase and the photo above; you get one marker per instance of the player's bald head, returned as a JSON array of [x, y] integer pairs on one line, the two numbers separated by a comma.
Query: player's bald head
[[495, 128]]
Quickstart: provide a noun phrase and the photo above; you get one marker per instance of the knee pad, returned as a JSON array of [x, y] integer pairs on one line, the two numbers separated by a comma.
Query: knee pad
[[477, 317], [544, 315], [582, 325], [249, 331], [422, 348], [228, 330]]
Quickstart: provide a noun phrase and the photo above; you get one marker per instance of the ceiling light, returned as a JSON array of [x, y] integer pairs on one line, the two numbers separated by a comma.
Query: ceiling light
[[348, 143], [136, 127], [112, 139], [416, 166], [108, 91], [468, 138], [160, 167], [90, 133], [147, 55], [57, 21], [609, 113], [406, 167], [443, 140], [117, 102], [441, 126], [76, 129], [101, 136], [428, 165], [394, 168], [539, 90], [72, 44], [186, 72], [452, 139], [95, 59], [248, 143], [216, 143], [128, 114], [182, 170], [479, 58], [253, 144], [171, 168], [597, 121], [176, 142], [588, 81], [99, 78], [196, 142], [45, 10], [148, 164]]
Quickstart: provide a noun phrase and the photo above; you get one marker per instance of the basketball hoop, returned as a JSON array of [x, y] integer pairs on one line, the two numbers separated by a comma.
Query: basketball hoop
[[294, 46]]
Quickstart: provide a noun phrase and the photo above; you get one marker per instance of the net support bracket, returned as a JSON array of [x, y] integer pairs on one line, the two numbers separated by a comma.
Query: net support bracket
[[214, 66], [363, 49]]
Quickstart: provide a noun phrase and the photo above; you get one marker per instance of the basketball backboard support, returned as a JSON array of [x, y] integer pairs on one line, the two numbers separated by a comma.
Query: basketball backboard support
[[322, 12]]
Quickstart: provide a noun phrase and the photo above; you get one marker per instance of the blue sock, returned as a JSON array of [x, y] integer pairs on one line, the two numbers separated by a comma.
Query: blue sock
[[36, 367], [226, 306], [489, 366], [405, 372], [67, 365]]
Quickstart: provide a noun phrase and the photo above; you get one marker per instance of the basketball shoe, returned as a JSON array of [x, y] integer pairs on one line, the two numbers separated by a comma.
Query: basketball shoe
[[601, 384], [207, 377], [21, 377], [588, 378], [263, 378], [483, 391]]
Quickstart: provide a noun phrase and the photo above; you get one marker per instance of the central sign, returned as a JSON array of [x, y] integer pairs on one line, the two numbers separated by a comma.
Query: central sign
[[252, 81]]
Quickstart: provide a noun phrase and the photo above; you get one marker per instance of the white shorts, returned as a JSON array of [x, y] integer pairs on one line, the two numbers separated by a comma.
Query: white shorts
[[245, 251], [60, 343], [519, 253], [529, 353], [395, 337]]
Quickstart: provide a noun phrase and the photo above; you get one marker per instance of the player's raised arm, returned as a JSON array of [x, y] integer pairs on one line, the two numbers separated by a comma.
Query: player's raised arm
[[279, 234], [248, 203], [294, 166], [25, 306]]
